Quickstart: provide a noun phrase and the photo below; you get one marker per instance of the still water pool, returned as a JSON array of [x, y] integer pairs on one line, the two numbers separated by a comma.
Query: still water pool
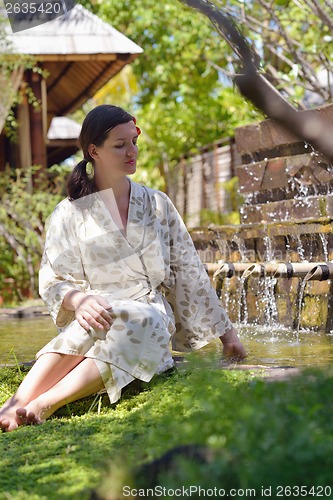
[[24, 337], [285, 347], [269, 347]]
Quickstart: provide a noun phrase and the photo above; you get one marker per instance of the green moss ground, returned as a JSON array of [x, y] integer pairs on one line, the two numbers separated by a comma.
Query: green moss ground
[[263, 434]]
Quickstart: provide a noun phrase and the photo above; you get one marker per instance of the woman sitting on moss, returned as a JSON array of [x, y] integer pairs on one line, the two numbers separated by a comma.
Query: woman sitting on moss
[[121, 278]]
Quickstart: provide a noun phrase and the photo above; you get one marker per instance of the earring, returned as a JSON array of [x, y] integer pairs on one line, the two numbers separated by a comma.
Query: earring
[[90, 170]]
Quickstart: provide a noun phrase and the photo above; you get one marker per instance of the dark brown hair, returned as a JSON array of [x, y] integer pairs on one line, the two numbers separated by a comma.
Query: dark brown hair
[[95, 128]]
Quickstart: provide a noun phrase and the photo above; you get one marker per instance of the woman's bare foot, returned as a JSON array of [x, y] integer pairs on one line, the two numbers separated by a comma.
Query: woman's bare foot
[[13, 414], [12, 420], [27, 417], [9, 420], [36, 412]]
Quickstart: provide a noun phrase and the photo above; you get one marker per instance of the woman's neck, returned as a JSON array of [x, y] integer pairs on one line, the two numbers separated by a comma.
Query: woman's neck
[[120, 187], [117, 202]]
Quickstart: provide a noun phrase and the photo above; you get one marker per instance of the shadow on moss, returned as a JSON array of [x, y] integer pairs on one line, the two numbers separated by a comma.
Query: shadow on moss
[[198, 425]]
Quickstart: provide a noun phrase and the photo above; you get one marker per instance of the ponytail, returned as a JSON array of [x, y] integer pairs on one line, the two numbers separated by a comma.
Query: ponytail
[[79, 183], [95, 128]]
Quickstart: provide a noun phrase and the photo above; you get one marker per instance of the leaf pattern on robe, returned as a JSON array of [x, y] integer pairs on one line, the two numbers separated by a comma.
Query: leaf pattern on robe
[[152, 277]]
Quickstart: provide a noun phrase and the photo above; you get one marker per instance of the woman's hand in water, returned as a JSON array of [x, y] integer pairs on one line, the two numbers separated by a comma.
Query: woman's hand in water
[[232, 346]]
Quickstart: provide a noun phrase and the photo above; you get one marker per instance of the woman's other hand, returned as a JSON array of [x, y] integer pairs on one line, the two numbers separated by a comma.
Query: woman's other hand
[[91, 311], [232, 346]]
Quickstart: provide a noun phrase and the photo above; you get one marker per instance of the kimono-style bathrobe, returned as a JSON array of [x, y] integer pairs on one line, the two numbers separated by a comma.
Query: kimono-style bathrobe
[[151, 276]]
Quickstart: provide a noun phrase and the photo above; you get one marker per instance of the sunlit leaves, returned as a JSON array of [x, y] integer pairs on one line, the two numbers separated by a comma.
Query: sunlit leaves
[[22, 216], [185, 98], [182, 102]]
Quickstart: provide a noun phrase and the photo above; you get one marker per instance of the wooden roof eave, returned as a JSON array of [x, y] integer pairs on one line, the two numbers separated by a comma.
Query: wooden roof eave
[[77, 57], [99, 80]]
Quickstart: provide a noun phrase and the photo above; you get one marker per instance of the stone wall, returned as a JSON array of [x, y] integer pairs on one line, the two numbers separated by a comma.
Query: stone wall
[[287, 217]]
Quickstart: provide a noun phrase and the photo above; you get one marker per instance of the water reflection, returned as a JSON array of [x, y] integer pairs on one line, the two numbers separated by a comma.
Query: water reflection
[[265, 346], [24, 337], [285, 347]]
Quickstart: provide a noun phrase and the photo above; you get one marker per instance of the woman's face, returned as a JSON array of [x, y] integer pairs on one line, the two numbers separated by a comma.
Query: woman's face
[[118, 153]]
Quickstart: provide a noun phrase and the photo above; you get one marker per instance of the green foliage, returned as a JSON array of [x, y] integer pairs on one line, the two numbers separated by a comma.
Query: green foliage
[[7, 67], [260, 434], [22, 216], [185, 97], [12, 90], [235, 200], [208, 217], [294, 40], [183, 101], [119, 90], [231, 187]]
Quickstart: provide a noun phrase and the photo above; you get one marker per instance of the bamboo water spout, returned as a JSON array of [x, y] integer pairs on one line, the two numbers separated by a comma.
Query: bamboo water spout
[[309, 271]]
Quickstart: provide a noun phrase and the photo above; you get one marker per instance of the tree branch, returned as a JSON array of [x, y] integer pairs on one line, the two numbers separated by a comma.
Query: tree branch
[[255, 86], [320, 13]]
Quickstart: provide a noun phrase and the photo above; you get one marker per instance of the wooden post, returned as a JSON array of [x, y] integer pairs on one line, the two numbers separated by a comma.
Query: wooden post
[[184, 172], [23, 114], [216, 170], [37, 128]]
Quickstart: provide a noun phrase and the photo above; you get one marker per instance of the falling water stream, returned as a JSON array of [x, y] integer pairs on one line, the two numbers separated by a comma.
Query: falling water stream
[[267, 342]]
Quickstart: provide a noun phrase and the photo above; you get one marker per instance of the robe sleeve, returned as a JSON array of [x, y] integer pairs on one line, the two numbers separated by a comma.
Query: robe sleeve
[[61, 268], [198, 312]]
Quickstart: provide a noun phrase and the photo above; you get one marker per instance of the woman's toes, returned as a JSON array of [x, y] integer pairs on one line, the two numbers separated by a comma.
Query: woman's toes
[[21, 413], [32, 419], [4, 424], [27, 417]]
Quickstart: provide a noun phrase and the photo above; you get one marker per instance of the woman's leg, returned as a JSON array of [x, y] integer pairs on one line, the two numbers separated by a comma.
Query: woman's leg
[[44, 374], [82, 381]]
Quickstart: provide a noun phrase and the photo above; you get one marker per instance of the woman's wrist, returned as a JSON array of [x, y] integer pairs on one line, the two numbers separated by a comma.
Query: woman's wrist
[[232, 346], [229, 336], [73, 299]]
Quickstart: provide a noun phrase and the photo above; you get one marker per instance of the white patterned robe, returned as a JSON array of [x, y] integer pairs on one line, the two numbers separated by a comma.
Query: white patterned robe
[[151, 276]]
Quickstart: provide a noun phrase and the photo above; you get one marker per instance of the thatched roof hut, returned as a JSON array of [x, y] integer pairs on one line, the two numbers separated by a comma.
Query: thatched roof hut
[[80, 53]]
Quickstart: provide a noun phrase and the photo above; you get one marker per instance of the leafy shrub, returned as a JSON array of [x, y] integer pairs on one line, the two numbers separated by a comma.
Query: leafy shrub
[[28, 196]]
